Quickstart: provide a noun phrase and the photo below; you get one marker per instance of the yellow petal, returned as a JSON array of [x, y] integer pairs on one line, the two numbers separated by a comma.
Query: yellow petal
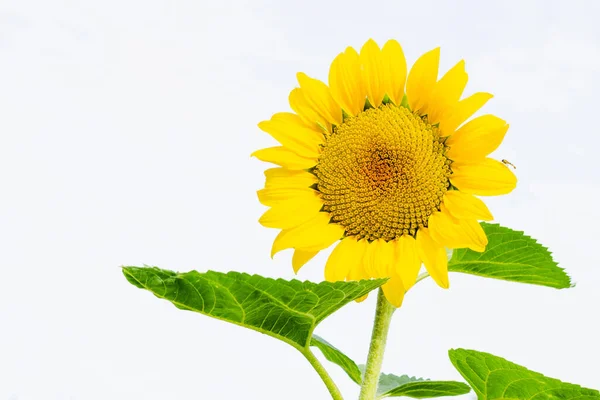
[[346, 256], [306, 112], [346, 82], [372, 62], [369, 259], [357, 267], [286, 158], [292, 212], [318, 96], [444, 231], [357, 271], [465, 205], [394, 71], [408, 264], [379, 259], [455, 233], [394, 290], [285, 178], [289, 130], [434, 258], [447, 92], [315, 234], [465, 108], [301, 257], [475, 232], [271, 196], [486, 178], [477, 138], [421, 80]]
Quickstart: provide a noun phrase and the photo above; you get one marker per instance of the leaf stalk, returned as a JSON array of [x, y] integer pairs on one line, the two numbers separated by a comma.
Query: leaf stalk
[[316, 364]]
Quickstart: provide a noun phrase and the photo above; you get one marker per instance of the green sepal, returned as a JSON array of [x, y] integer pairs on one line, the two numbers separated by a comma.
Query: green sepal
[[404, 102]]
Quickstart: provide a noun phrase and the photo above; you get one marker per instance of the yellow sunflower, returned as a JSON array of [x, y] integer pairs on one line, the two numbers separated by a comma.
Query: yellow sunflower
[[385, 165]]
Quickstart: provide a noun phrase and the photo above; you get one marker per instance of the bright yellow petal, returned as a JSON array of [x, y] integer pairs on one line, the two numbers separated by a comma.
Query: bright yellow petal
[[455, 233], [421, 80], [286, 158], [306, 112], [318, 96], [394, 71], [289, 130], [271, 196], [408, 263], [477, 138], [315, 234], [379, 259], [394, 290], [465, 108], [380, 262], [346, 256], [286, 178], [357, 266], [486, 178], [357, 270], [301, 257], [475, 232], [292, 212], [346, 82], [372, 62], [434, 257], [445, 232], [465, 205], [447, 92], [369, 259]]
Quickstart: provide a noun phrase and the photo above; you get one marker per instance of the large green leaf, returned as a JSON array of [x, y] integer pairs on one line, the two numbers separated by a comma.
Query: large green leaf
[[493, 377], [337, 357], [286, 310], [512, 256]]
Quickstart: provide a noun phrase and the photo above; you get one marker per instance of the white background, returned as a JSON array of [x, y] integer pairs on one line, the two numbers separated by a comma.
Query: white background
[[126, 129]]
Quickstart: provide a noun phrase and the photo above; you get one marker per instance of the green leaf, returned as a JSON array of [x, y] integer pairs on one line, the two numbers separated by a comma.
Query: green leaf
[[493, 377], [389, 382], [286, 310], [391, 385], [337, 357], [512, 256], [428, 389]]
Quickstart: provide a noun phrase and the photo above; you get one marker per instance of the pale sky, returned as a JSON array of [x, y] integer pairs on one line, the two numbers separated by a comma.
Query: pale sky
[[126, 129]]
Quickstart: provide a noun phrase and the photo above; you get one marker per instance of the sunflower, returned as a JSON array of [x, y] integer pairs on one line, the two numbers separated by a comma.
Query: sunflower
[[385, 164]]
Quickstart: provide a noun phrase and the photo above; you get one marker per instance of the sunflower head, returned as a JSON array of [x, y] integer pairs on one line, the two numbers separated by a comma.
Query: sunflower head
[[385, 164]]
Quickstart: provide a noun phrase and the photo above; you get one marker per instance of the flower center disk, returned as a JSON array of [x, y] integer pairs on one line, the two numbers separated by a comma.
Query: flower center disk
[[383, 173]]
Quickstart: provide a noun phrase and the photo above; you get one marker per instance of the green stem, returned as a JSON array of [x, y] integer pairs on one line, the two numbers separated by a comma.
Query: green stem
[[331, 386], [381, 326]]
